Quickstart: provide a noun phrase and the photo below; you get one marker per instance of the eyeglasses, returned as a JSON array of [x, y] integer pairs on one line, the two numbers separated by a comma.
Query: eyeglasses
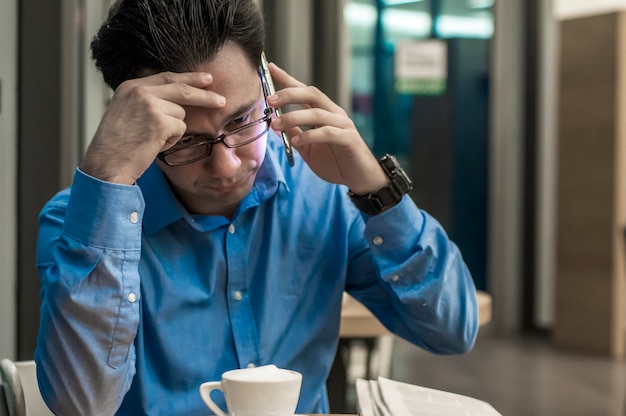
[[194, 148]]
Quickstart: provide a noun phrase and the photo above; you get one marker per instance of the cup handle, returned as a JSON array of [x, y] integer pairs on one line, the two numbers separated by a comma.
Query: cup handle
[[205, 393]]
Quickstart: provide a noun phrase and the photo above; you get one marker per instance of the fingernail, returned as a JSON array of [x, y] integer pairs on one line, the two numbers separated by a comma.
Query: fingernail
[[207, 77], [221, 100]]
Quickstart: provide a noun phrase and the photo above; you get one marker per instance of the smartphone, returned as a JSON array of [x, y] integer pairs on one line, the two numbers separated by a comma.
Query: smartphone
[[268, 89]]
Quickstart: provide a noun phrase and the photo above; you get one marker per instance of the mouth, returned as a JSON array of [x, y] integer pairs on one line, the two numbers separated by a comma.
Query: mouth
[[229, 186]]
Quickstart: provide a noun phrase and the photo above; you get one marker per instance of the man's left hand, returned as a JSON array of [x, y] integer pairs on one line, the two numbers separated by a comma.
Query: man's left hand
[[332, 146]]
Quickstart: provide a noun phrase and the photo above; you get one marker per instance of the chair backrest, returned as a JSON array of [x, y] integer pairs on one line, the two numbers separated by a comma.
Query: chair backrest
[[21, 391], [4, 410]]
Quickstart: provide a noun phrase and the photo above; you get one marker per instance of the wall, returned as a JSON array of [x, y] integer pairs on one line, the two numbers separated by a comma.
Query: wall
[[549, 15], [8, 177], [590, 285], [564, 9], [545, 159], [505, 165]]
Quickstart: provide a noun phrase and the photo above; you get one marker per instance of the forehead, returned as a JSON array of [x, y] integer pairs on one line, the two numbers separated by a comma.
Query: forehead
[[233, 73]]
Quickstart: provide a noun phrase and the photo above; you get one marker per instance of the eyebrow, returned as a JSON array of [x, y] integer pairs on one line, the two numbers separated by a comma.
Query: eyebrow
[[242, 109]]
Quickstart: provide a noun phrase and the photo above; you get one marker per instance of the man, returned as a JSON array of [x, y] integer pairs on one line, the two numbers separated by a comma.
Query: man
[[187, 246]]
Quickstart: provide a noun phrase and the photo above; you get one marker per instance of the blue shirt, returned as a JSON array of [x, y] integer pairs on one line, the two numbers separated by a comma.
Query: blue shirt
[[143, 301]]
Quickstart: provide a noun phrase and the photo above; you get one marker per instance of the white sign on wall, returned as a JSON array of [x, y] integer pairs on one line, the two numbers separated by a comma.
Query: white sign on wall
[[421, 67]]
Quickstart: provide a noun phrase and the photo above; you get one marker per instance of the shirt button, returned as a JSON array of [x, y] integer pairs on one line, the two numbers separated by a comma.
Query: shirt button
[[395, 278], [134, 217], [132, 297], [237, 295], [231, 228], [251, 365], [378, 240]]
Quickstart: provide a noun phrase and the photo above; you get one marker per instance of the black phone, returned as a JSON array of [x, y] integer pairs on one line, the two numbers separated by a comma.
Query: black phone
[[268, 89]]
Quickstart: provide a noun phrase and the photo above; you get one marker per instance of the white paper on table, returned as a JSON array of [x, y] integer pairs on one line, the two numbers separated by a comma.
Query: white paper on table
[[403, 399], [365, 405], [380, 408]]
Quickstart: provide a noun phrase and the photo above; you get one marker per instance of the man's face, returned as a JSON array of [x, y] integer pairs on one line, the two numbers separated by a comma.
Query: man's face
[[215, 185]]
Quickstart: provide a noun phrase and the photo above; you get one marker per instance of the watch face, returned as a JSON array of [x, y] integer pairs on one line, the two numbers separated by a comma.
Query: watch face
[[396, 174], [387, 197], [403, 182], [389, 164]]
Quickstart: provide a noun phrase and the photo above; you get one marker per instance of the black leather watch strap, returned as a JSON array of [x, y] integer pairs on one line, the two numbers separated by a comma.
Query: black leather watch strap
[[390, 195], [376, 202]]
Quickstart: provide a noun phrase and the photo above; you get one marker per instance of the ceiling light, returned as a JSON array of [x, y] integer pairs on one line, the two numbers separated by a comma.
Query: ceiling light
[[397, 2], [480, 4]]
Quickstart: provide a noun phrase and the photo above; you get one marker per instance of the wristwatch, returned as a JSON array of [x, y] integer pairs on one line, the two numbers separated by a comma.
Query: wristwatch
[[387, 197]]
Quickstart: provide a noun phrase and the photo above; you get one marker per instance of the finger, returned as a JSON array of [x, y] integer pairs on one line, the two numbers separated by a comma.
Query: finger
[[296, 92], [324, 134], [283, 78], [313, 117], [188, 88], [196, 79], [181, 94], [291, 132], [177, 128], [172, 109], [165, 120], [306, 97]]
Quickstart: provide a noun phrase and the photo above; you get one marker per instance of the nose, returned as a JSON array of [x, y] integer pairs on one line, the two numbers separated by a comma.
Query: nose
[[223, 161]]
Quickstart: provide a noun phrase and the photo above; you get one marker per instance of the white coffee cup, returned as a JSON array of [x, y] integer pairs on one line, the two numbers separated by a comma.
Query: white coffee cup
[[258, 391]]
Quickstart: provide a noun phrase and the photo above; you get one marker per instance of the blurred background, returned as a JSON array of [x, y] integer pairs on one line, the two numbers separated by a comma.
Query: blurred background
[[510, 116]]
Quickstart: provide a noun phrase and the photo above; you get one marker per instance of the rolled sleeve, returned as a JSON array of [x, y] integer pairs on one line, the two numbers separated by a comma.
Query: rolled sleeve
[[434, 293], [88, 253], [103, 214]]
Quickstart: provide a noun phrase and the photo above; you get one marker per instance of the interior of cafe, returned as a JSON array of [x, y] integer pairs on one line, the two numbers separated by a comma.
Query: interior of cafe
[[509, 116]]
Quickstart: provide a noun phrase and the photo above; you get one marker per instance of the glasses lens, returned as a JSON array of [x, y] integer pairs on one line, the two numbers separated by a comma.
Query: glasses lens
[[187, 154], [240, 137], [247, 134]]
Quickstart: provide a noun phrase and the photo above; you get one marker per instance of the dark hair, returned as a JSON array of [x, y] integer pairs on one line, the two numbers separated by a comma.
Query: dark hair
[[173, 35]]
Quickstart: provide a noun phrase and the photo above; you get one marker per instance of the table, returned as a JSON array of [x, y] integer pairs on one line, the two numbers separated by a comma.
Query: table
[[358, 322], [359, 325]]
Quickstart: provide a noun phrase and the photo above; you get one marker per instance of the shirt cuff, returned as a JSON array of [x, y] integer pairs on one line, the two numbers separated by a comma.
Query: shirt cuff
[[104, 214], [402, 225], [394, 235]]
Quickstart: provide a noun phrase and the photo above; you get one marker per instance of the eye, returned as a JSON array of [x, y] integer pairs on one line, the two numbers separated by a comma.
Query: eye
[[185, 140], [239, 121]]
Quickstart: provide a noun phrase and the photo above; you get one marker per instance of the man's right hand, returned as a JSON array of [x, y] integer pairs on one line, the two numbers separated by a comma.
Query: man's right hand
[[145, 116]]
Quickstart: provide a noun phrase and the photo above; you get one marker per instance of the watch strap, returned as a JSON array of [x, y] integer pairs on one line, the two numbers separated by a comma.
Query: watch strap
[[388, 196], [376, 202]]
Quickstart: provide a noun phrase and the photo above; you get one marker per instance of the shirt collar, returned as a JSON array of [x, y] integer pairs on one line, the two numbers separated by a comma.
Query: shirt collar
[[163, 208]]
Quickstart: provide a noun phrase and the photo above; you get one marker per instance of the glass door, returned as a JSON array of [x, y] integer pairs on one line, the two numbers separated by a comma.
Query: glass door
[[419, 74]]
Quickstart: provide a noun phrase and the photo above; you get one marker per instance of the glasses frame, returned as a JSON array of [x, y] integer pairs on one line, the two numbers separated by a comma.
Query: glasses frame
[[209, 143]]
